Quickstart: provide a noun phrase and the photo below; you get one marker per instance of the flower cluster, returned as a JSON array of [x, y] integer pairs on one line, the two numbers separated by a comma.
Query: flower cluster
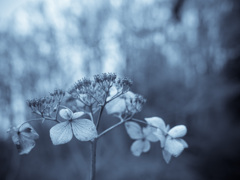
[[123, 84], [95, 93], [134, 104], [47, 105], [42, 106], [170, 139], [105, 80], [126, 105], [142, 137], [58, 95]]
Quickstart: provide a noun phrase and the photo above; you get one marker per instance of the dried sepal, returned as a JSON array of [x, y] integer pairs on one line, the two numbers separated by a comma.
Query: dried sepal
[[24, 138]]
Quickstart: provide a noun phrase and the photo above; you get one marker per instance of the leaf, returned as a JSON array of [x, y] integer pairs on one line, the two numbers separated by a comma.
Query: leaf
[[140, 146], [173, 146], [77, 115], [149, 134], [166, 156], [157, 122], [116, 106], [134, 130], [61, 133], [84, 129], [178, 131], [66, 114]]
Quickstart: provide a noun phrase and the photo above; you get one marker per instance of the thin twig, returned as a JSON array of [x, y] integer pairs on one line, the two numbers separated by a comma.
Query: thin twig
[[144, 122], [116, 96], [38, 119], [111, 128]]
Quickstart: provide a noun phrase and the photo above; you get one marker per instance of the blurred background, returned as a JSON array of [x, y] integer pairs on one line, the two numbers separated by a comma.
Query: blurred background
[[182, 55]]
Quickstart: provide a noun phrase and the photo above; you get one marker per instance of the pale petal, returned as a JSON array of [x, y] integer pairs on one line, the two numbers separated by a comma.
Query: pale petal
[[134, 130], [167, 128], [116, 106], [25, 145], [173, 146], [112, 92], [149, 134], [128, 96], [140, 146], [66, 114], [166, 156], [184, 143], [77, 115], [178, 131], [61, 133], [157, 122], [146, 146], [159, 134], [14, 134], [84, 129]]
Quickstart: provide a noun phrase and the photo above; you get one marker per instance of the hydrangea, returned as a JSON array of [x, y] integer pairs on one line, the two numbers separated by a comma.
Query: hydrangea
[[142, 137], [170, 140], [83, 129]]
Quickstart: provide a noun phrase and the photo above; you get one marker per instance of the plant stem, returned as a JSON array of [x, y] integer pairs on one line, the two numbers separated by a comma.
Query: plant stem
[[99, 116], [93, 159], [143, 122], [38, 119], [109, 129]]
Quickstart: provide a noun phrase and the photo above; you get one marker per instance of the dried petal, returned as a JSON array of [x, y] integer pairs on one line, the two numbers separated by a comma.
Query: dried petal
[[134, 130], [61, 133], [84, 129], [178, 131]]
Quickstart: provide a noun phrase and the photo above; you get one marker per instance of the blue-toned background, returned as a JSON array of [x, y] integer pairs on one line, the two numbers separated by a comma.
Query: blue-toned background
[[182, 55]]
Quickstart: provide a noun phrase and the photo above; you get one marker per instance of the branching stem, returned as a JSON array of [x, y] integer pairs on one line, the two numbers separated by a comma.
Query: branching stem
[[38, 119]]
